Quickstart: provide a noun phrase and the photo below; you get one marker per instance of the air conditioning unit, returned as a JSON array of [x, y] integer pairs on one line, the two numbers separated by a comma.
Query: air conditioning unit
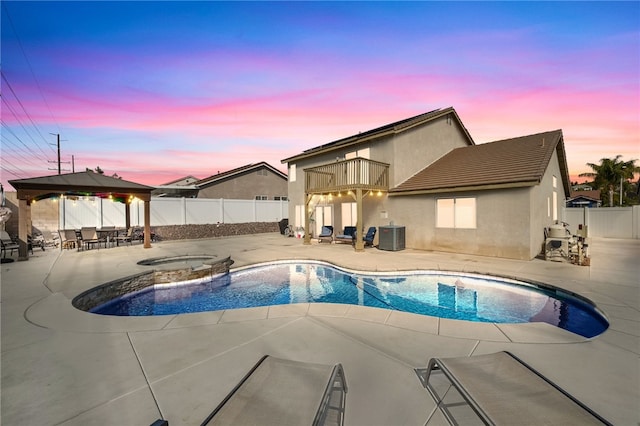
[[391, 238]]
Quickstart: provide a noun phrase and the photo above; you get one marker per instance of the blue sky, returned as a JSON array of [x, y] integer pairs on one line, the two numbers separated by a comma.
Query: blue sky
[[154, 91]]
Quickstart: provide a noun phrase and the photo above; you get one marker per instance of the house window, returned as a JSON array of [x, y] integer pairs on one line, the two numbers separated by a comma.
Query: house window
[[292, 173], [456, 213], [262, 172], [555, 182], [261, 197], [280, 198], [349, 213]]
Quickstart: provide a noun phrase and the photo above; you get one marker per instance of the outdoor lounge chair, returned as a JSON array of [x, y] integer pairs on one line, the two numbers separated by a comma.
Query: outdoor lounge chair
[[50, 238], [326, 234], [369, 236], [283, 392], [127, 237], [347, 235], [89, 237], [502, 389], [69, 239], [7, 244]]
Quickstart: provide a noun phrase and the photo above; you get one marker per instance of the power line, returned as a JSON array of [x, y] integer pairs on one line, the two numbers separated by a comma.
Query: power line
[[8, 129], [17, 152], [29, 64], [10, 172], [4, 77], [25, 130]]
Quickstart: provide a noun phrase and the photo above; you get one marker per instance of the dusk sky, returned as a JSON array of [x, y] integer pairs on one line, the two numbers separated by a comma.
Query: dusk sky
[[155, 91]]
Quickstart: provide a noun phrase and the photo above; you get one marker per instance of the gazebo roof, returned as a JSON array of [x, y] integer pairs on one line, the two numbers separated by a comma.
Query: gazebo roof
[[79, 184]]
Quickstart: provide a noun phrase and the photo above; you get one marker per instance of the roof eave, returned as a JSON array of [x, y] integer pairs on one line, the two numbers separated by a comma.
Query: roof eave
[[357, 139], [468, 188]]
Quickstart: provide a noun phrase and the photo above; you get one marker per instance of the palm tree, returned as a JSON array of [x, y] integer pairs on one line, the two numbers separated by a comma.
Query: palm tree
[[611, 174]]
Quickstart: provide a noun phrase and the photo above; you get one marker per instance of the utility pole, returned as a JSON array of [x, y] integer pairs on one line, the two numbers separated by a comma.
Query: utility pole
[[59, 171], [59, 162]]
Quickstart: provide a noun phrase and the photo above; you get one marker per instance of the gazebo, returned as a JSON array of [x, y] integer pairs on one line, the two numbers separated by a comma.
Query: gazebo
[[78, 184]]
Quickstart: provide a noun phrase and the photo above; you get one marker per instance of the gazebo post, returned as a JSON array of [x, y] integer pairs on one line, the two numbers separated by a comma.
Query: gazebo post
[[127, 214], [147, 222], [24, 228]]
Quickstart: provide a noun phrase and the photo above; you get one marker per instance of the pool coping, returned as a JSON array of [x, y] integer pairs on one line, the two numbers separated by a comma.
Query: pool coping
[[537, 332]]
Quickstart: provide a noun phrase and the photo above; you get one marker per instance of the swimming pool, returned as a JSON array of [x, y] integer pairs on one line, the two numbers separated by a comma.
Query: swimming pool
[[469, 297]]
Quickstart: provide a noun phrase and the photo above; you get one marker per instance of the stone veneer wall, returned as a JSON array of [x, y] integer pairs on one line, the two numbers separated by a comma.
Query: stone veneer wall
[[192, 232], [113, 289]]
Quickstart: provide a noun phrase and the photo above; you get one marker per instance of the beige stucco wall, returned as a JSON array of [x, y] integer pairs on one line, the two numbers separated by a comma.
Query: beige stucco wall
[[247, 186], [541, 195], [417, 148], [502, 223], [407, 153]]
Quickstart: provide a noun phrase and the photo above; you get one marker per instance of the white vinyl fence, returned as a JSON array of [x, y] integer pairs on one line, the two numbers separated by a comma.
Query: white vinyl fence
[[94, 211], [605, 222]]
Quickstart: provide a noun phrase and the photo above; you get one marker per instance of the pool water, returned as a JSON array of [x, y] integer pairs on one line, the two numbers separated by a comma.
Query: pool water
[[460, 296]]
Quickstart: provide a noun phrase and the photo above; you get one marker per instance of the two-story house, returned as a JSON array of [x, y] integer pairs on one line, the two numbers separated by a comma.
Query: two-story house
[[427, 174]]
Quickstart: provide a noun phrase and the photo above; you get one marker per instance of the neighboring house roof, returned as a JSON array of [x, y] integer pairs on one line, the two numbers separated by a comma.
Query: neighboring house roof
[[175, 191], [593, 195], [507, 163], [393, 128], [236, 172], [186, 180]]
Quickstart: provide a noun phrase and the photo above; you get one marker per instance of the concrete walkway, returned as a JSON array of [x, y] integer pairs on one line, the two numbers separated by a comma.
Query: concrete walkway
[[61, 366]]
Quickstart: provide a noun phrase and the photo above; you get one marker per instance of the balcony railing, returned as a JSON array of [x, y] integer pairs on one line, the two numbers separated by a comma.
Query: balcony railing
[[347, 175]]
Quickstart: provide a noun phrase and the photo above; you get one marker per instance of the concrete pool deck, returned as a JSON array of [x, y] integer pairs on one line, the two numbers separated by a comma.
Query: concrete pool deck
[[61, 366]]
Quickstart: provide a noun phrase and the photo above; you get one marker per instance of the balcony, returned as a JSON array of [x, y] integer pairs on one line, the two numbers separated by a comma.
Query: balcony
[[347, 175]]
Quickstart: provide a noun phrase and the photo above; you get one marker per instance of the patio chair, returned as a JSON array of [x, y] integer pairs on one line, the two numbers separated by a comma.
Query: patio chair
[[36, 240], [283, 392], [326, 234], [107, 235], [347, 235], [7, 244], [369, 236], [50, 238], [68, 239], [503, 389], [89, 237], [126, 237]]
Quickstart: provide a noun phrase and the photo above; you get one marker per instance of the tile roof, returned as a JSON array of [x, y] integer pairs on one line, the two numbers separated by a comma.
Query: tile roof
[[594, 194], [82, 183], [230, 173], [88, 180], [396, 127], [513, 162]]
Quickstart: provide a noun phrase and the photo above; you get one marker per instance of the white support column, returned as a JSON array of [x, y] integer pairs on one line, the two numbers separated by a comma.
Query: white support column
[[359, 224], [307, 227]]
